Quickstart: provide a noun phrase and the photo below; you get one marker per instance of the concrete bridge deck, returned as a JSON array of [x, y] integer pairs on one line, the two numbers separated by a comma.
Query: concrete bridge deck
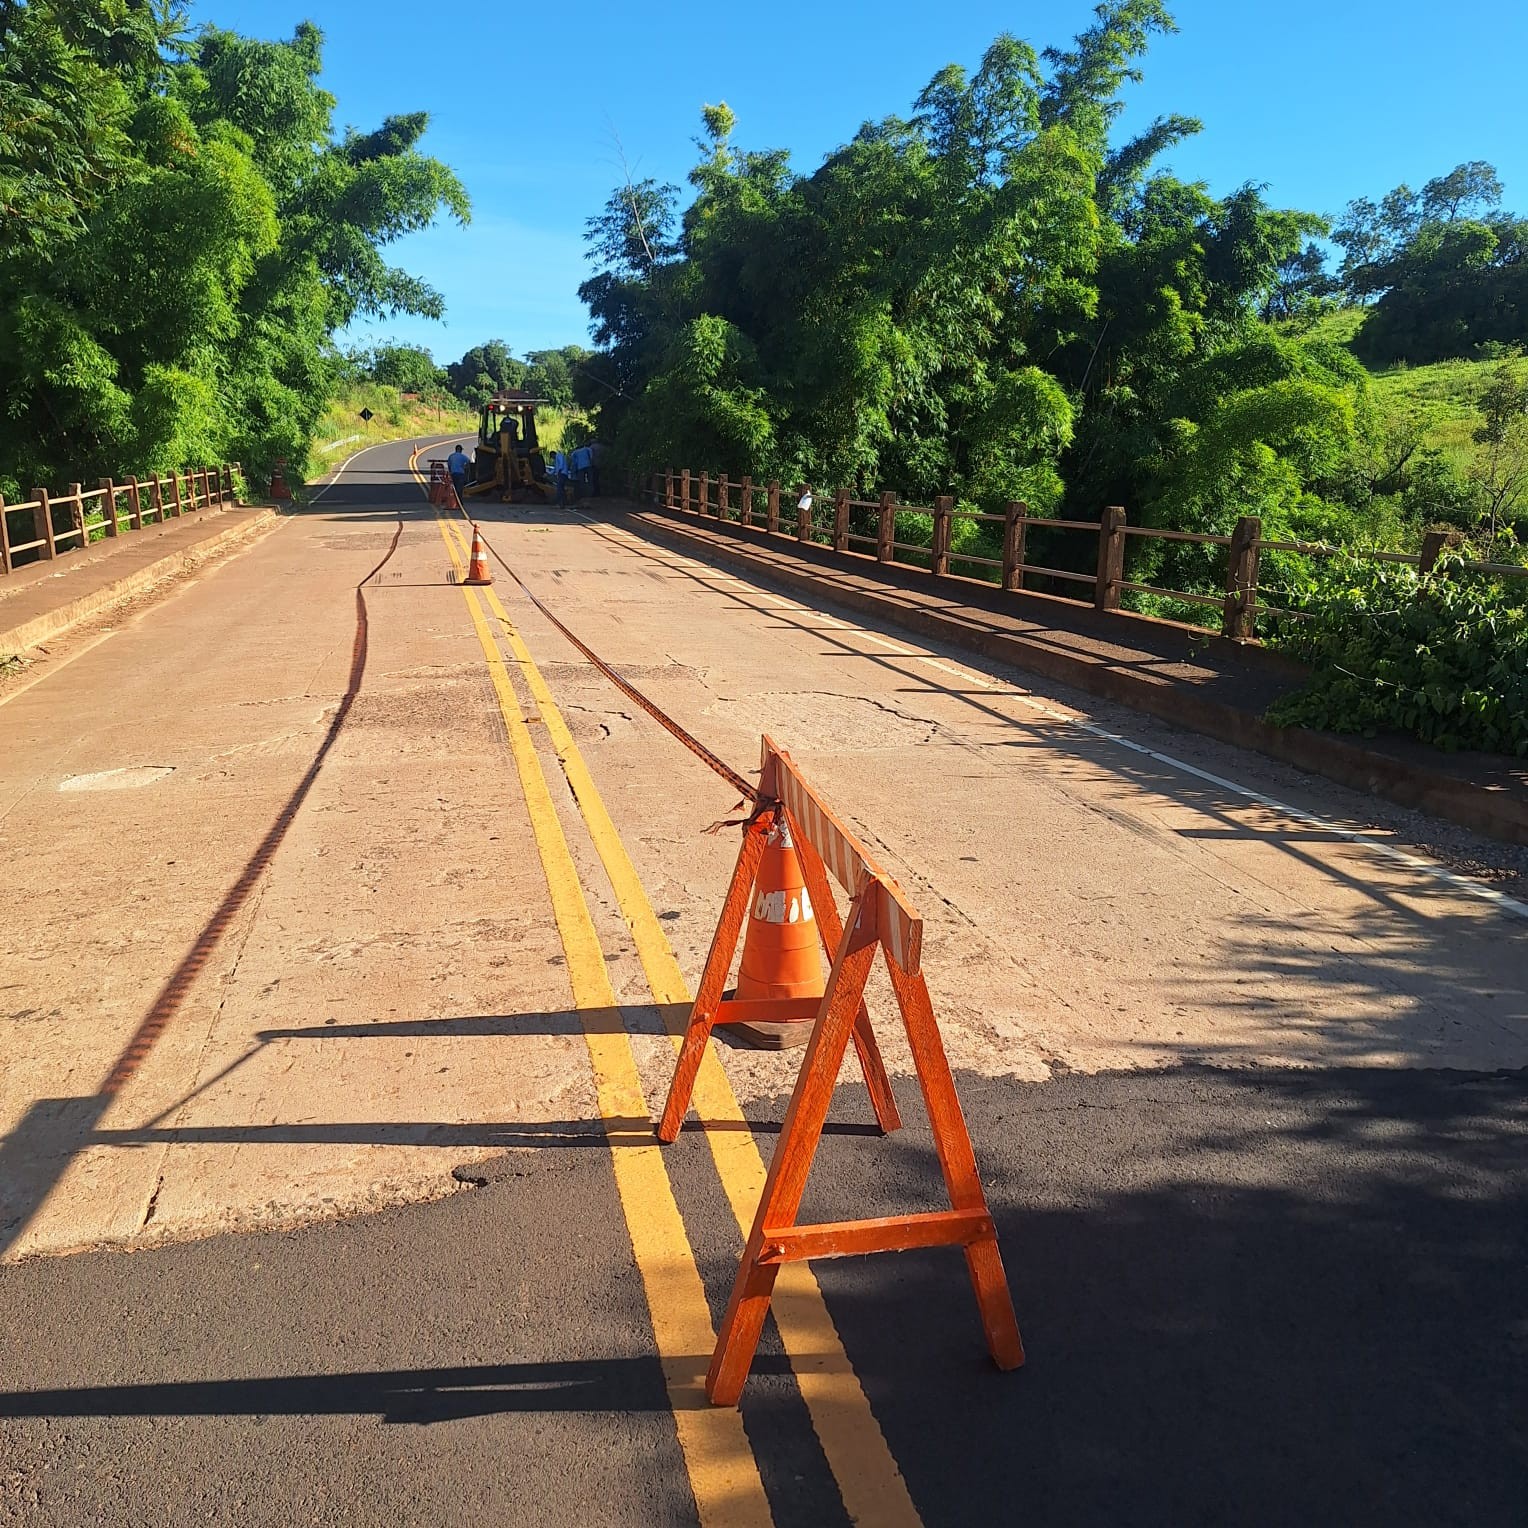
[[1243, 1057]]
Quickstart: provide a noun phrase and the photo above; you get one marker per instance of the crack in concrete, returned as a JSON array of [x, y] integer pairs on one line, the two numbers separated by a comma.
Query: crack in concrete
[[201, 1057]]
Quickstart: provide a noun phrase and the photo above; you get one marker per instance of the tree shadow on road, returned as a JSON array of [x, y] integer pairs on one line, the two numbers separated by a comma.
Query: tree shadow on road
[[1256, 1297], [412, 1396]]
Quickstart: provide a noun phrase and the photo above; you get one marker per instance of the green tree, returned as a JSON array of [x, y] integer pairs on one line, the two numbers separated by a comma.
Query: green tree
[[990, 297], [1500, 473], [483, 371], [550, 374], [409, 368], [1444, 268], [189, 233]]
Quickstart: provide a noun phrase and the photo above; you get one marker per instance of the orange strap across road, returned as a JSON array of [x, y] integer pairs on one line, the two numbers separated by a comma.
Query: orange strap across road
[[738, 782]]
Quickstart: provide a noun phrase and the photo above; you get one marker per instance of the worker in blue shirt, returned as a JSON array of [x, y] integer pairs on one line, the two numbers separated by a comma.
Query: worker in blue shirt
[[560, 478], [457, 464], [582, 461]]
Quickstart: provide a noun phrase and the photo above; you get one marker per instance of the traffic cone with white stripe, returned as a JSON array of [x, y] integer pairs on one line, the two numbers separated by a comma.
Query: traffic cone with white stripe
[[781, 969], [478, 571]]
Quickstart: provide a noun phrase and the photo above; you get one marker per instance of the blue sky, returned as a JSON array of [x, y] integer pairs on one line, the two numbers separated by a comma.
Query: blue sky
[[1321, 100]]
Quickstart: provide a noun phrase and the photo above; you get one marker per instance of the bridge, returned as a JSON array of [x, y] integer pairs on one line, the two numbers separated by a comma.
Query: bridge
[[352, 914]]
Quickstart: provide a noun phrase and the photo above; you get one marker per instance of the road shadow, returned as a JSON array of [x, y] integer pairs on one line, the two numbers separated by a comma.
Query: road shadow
[[1257, 1297], [1260, 1296], [53, 1132], [404, 1396]]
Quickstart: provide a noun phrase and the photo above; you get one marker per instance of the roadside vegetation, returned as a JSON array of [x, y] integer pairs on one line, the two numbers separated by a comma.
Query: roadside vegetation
[[395, 416], [997, 296], [185, 231]]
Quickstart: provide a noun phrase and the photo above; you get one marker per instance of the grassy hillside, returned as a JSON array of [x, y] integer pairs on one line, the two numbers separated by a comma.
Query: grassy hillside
[[342, 430], [1440, 399]]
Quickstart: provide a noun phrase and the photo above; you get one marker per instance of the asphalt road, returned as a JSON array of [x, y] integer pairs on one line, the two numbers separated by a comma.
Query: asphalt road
[[1248, 1096], [1254, 1297]]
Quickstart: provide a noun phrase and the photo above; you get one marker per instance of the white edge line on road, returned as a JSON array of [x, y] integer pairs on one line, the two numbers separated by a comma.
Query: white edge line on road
[[1500, 900]]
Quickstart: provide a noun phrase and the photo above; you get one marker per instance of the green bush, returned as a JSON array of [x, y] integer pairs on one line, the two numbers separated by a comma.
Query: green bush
[[1441, 656]]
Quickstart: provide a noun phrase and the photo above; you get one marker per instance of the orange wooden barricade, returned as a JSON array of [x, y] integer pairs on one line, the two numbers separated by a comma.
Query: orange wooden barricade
[[879, 918]]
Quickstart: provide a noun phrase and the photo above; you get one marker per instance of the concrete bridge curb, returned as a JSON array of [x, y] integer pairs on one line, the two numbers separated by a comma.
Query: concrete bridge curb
[[99, 591]]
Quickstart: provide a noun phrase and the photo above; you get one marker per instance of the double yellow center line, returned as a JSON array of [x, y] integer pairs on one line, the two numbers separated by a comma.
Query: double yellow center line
[[724, 1474]]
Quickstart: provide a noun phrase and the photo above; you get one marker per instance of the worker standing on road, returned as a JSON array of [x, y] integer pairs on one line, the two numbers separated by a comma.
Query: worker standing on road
[[581, 462], [457, 464], [560, 478]]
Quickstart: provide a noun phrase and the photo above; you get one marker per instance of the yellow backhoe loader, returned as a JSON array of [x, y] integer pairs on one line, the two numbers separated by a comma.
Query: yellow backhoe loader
[[508, 456]]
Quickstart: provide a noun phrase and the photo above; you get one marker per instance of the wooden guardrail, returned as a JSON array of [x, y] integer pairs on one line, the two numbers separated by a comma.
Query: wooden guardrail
[[832, 521], [55, 523]]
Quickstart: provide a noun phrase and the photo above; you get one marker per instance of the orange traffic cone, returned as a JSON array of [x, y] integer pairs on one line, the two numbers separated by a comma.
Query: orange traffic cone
[[782, 959], [477, 569]]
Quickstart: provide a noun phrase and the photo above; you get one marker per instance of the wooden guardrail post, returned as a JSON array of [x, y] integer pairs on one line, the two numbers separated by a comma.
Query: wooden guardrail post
[[745, 514], [841, 520], [180, 504], [668, 487], [684, 489], [109, 505], [5, 540], [206, 490], [1239, 619], [723, 497], [1015, 514], [1434, 544], [944, 521], [705, 493], [134, 504], [886, 528], [1111, 558], [804, 512], [77, 514], [772, 507], [42, 518], [156, 498]]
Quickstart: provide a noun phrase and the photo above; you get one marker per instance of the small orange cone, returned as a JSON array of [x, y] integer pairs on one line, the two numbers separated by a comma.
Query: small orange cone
[[781, 948], [477, 569]]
